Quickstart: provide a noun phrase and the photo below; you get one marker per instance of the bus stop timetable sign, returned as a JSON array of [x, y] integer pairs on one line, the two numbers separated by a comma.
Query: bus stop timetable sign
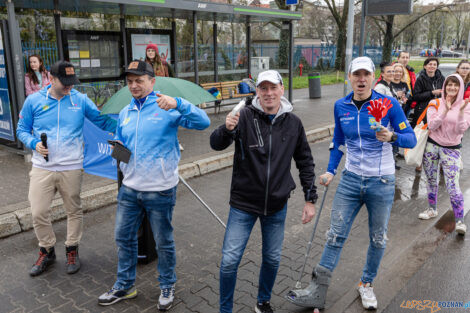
[[292, 2]]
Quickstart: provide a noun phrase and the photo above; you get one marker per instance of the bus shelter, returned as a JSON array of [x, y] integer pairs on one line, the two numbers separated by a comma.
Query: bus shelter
[[11, 56]]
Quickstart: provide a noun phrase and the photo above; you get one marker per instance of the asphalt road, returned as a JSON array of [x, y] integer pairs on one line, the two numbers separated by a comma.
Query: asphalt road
[[441, 282]]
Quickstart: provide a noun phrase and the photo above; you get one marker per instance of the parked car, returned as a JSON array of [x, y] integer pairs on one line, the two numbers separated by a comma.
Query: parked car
[[450, 54], [427, 53], [395, 53], [372, 52], [447, 68]]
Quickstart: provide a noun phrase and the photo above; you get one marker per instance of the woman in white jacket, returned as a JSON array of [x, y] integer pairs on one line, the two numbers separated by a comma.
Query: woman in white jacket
[[383, 85]]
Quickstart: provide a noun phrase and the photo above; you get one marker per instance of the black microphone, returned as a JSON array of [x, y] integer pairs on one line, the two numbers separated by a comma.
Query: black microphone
[[44, 143]]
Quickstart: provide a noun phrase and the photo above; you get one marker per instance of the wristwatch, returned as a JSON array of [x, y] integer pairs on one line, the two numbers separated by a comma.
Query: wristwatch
[[394, 137]]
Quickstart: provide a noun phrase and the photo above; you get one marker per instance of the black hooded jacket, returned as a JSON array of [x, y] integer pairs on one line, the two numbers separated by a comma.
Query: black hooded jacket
[[422, 93], [261, 178]]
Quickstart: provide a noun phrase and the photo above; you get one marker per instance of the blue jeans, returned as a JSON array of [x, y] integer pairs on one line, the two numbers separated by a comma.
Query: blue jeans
[[239, 226], [130, 211], [353, 191]]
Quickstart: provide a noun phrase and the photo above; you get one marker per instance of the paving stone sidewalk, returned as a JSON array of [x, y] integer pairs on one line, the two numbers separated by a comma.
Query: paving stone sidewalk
[[198, 243]]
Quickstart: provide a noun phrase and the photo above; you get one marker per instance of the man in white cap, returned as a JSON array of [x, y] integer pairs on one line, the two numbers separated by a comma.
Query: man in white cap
[[267, 136], [368, 178]]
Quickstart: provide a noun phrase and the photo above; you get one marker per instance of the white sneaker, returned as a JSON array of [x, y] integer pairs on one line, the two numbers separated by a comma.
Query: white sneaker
[[461, 228], [369, 301], [165, 301], [427, 214]]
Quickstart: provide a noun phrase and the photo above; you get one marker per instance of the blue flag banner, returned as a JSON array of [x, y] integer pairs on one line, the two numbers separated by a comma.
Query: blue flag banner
[[97, 156]]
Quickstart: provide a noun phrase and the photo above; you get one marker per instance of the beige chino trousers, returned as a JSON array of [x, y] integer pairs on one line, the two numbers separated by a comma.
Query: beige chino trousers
[[42, 188]]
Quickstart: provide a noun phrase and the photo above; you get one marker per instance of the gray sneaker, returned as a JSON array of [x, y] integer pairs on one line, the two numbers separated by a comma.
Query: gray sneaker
[[115, 295], [165, 301]]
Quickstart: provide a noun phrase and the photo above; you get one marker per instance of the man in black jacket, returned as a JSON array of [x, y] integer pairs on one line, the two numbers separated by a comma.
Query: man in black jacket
[[267, 136]]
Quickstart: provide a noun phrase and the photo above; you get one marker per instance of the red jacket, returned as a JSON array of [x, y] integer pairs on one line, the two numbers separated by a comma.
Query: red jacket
[[466, 95]]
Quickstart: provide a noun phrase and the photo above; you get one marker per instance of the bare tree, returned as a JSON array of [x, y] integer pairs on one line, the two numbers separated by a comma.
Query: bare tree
[[460, 13], [386, 26]]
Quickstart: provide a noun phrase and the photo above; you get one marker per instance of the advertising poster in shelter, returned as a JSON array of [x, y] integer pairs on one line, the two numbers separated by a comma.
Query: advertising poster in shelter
[[140, 41], [6, 123]]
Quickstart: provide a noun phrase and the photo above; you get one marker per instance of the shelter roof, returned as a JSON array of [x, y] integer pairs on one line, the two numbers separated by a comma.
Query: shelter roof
[[180, 9]]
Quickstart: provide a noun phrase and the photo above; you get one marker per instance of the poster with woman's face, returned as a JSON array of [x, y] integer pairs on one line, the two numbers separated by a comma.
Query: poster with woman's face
[[140, 41]]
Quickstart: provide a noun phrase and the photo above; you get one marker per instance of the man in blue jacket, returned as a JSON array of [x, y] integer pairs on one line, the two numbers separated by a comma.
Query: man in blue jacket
[[148, 127], [368, 178], [57, 112]]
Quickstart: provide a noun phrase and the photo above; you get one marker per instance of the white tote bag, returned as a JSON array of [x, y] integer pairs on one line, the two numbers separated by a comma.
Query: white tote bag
[[414, 156]]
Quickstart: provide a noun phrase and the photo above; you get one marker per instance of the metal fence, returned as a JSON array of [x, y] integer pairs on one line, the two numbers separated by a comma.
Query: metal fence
[[230, 57], [46, 49]]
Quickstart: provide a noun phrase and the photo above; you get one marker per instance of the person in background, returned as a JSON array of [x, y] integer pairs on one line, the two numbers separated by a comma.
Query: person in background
[[448, 119], [160, 67], [36, 76], [410, 76], [399, 86], [463, 69], [400, 92], [383, 86], [428, 86]]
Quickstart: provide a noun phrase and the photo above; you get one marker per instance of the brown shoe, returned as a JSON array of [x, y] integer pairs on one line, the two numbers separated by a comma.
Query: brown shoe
[[419, 168]]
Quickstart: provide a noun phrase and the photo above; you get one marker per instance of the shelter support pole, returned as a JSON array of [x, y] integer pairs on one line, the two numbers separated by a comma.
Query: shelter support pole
[[15, 64], [216, 67], [16, 53], [349, 45], [11, 78], [291, 59], [174, 52], [363, 28], [58, 30], [248, 46], [122, 25], [195, 55]]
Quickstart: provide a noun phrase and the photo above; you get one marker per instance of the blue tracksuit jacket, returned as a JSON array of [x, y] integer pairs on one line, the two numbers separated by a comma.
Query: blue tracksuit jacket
[[62, 121], [150, 133], [367, 156]]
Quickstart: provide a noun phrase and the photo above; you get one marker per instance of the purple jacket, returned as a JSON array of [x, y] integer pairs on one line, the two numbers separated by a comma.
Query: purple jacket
[[31, 87]]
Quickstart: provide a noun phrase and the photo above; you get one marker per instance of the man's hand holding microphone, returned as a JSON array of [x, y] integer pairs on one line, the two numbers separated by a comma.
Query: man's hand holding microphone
[[41, 147]]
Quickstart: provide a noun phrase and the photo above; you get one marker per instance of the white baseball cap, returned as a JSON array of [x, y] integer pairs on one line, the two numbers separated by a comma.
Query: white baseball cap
[[271, 76], [362, 63]]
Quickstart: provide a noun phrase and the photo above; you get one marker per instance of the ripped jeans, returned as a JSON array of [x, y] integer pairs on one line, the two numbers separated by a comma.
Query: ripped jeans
[[353, 191]]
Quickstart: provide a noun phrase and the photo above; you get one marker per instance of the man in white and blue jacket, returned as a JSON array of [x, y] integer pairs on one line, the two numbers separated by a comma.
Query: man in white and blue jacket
[[148, 127], [368, 178], [57, 114]]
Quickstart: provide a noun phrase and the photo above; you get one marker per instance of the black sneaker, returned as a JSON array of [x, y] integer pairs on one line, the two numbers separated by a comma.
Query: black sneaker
[[264, 307], [73, 262], [115, 295], [43, 262]]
